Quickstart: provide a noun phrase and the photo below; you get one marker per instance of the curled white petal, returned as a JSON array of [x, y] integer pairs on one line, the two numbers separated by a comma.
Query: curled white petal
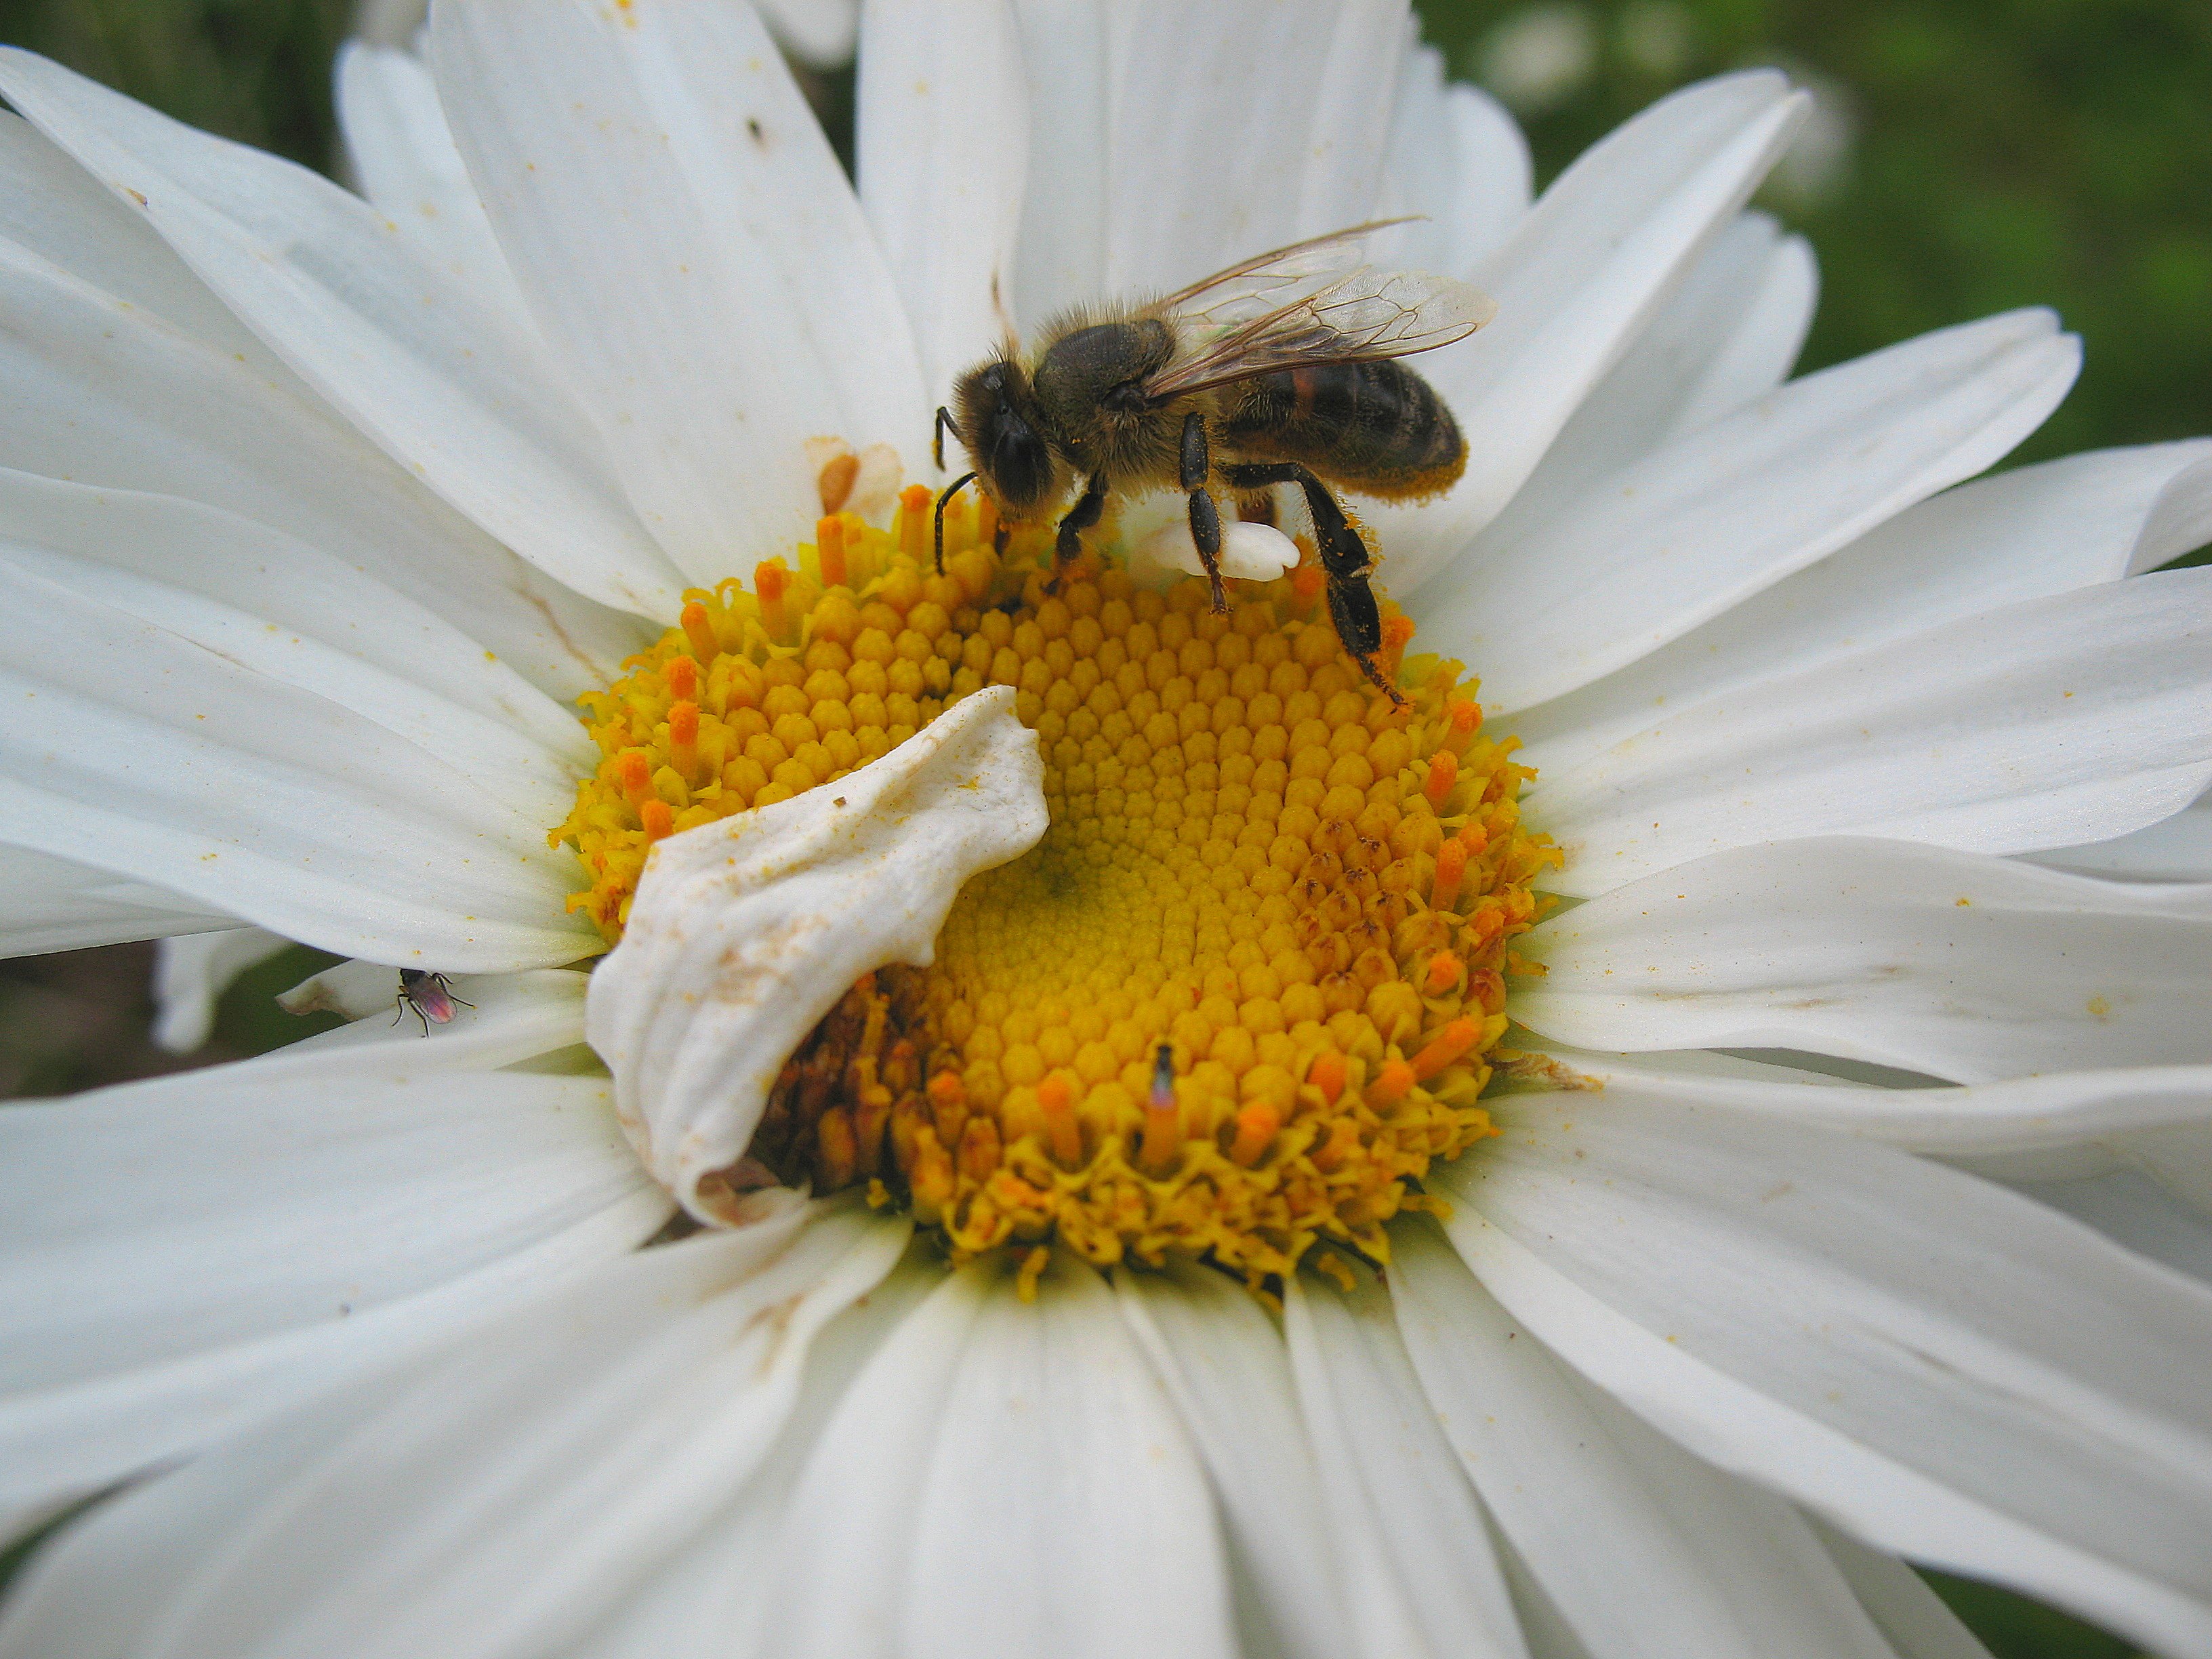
[[744, 932]]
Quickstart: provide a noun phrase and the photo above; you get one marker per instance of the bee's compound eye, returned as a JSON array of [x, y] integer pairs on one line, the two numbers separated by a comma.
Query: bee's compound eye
[[1019, 464]]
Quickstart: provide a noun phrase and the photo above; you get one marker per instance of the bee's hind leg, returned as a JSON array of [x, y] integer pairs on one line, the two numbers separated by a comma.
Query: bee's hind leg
[[1080, 517], [1205, 516]]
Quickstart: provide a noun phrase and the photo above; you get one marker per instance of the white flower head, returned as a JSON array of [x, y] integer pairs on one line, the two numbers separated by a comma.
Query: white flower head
[[1115, 1216]]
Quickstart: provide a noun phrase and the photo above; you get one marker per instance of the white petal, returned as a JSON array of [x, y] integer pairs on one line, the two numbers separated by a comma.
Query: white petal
[[2174, 849], [156, 759], [2056, 1109], [1728, 335], [444, 384], [271, 605], [819, 33], [294, 593], [53, 210], [1420, 1576], [1206, 162], [690, 247], [943, 142], [2049, 722], [1457, 158], [2025, 534], [191, 973], [402, 151], [1224, 1366], [715, 1584], [1938, 1365], [744, 934], [1649, 552], [515, 1492], [2043, 724], [1060, 253], [1641, 1549], [1589, 266], [49, 903], [1913, 1618], [2133, 1211], [107, 394], [822, 32], [1020, 1446], [186, 1254], [499, 1020], [1949, 963]]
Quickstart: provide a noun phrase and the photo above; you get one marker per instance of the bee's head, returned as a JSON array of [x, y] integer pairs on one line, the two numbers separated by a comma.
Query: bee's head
[[997, 421]]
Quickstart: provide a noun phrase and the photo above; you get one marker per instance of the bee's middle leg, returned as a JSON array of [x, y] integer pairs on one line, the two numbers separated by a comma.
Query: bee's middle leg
[[1205, 516], [1080, 517]]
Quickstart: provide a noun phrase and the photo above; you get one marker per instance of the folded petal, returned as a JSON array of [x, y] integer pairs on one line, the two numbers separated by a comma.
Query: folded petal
[[2108, 689], [107, 395], [744, 934], [2025, 534], [191, 973], [1950, 963], [1421, 1575], [1933, 1363], [1575, 282], [693, 253], [186, 1255], [943, 142], [1648, 552], [158, 758], [49, 903], [1641, 1549], [446, 385]]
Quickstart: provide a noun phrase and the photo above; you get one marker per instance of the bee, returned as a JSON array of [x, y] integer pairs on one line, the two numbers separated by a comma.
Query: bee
[[1279, 370], [429, 997]]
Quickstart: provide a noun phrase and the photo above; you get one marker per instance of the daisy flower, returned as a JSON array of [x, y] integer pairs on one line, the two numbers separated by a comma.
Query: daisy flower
[[1056, 1038]]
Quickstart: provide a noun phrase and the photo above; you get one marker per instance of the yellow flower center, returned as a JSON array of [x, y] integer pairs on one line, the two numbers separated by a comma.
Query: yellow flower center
[[1238, 998]]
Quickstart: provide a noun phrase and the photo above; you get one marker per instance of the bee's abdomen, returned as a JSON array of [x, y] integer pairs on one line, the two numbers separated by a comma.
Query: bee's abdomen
[[1377, 428]]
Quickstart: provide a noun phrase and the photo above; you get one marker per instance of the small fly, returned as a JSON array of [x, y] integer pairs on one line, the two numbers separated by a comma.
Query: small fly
[[429, 996]]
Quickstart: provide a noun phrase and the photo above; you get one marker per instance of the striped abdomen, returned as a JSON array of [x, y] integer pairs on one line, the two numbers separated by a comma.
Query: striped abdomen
[[1377, 428]]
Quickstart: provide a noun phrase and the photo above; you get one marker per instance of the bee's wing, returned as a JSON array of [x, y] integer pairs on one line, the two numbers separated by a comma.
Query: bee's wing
[[1371, 312], [1268, 274]]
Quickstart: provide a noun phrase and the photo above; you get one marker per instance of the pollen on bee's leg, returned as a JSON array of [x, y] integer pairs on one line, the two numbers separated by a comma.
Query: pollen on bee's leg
[[1234, 1005]]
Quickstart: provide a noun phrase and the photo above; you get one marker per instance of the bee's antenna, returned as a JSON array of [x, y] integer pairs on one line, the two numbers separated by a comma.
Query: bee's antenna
[[937, 437], [951, 490]]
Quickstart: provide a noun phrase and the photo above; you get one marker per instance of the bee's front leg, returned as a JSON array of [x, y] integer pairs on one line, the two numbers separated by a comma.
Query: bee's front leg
[[1205, 517], [1081, 517]]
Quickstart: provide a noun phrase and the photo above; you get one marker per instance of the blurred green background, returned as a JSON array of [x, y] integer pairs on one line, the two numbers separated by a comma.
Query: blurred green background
[[1967, 156]]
